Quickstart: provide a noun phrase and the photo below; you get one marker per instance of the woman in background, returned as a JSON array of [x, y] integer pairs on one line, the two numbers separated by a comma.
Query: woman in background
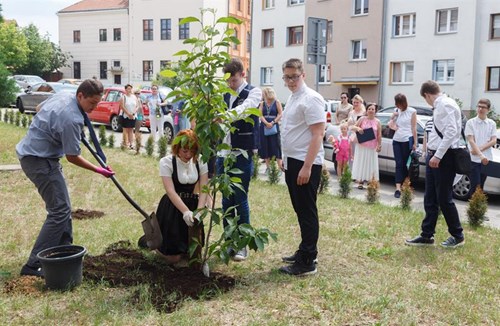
[[271, 109]]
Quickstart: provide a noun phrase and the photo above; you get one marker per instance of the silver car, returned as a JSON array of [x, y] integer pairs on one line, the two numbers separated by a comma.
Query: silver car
[[387, 164], [38, 93]]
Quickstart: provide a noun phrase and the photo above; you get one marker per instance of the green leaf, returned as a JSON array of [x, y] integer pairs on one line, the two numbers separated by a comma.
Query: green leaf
[[168, 73], [259, 243], [247, 230], [182, 52], [229, 20], [189, 19]]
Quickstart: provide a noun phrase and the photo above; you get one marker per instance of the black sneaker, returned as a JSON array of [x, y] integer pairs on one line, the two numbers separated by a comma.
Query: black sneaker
[[397, 194], [27, 270], [453, 242], [420, 241], [299, 269], [291, 259]]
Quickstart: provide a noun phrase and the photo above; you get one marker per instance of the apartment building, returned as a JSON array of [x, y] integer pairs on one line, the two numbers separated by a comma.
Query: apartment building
[[120, 41], [278, 28]]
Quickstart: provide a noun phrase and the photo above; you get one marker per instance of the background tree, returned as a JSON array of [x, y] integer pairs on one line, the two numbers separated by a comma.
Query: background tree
[[39, 55], [1, 17], [171, 82], [7, 87], [14, 48]]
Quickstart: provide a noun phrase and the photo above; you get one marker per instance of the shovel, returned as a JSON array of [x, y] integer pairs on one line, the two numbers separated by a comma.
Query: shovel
[[150, 224]]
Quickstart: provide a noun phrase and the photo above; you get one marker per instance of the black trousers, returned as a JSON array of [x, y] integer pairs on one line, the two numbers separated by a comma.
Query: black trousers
[[304, 204]]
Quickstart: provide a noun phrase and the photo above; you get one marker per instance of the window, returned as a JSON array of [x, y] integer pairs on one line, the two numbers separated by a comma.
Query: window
[[116, 63], [117, 34], [493, 78], [443, 71], [77, 70], [295, 35], [404, 25], [329, 31], [266, 75], [295, 2], [268, 38], [495, 26], [76, 36], [402, 72], [446, 21], [235, 44], [360, 7], [164, 64], [147, 29], [147, 70], [268, 4], [358, 50], [103, 35], [103, 70], [325, 74], [183, 31], [238, 5], [166, 29]]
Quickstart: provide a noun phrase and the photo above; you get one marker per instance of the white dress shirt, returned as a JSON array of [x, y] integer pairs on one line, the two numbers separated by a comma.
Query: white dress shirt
[[448, 120], [482, 130]]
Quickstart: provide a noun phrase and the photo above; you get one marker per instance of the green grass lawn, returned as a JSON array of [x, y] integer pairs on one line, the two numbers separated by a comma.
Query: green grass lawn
[[366, 276]]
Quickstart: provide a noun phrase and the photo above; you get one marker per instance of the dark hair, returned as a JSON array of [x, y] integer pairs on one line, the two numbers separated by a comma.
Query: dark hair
[[90, 87], [293, 63], [372, 104], [429, 87], [233, 67], [344, 93], [485, 101], [400, 100], [128, 85]]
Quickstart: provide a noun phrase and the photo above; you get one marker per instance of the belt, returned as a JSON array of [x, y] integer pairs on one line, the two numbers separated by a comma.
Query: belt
[[187, 195]]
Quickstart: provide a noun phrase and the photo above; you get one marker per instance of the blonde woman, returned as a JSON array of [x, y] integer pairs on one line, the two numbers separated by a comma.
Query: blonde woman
[[270, 145]]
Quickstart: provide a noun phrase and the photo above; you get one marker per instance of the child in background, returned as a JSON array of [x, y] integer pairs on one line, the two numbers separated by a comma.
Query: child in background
[[342, 148]]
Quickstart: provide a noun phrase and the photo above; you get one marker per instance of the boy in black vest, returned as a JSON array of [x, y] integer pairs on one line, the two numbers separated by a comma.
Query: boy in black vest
[[245, 137]]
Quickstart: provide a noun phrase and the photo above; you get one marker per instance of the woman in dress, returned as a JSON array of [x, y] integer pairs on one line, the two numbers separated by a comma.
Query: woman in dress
[[272, 111], [183, 175], [128, 106], [358, 110], [404, 139], [344, 109], [365, 165]]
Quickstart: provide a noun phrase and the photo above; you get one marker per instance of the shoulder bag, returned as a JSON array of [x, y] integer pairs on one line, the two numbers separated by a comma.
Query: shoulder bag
[[461, 157], [274, 129]]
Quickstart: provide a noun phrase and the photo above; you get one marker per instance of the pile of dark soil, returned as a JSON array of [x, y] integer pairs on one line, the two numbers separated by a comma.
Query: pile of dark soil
[[81, 214], [121, 265]]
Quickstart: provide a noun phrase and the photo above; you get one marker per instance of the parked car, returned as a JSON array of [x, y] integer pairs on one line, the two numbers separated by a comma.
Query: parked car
[[70, 81], [38, 93], [107, 111], [421, 110], [18, 91], [27, 80], [330, 109], [387, 165]]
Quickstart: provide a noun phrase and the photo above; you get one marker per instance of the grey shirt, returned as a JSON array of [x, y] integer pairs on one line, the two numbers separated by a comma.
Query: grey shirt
[[55, 130]]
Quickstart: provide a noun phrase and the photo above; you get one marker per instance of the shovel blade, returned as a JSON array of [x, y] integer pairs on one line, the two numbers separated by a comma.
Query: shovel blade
[[152, 232]]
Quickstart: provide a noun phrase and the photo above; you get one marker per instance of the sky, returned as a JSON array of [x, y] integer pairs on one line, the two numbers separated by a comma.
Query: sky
[[42, 13]]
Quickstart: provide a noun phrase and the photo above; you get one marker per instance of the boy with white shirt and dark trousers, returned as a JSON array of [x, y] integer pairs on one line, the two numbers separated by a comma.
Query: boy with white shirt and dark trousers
[[303, 126], [481, 136], [440, 168]]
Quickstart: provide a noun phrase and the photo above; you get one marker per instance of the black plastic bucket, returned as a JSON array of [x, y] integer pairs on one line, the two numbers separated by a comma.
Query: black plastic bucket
[[62, 266]]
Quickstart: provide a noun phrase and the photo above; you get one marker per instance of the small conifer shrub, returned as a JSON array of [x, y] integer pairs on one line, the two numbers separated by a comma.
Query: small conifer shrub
[[407, 195], [478, 205], [345, 183], [324, 181], [274, 171], [373, 191]]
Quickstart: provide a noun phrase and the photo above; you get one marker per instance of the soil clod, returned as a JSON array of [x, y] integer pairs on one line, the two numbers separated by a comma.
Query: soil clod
[[82, 214]]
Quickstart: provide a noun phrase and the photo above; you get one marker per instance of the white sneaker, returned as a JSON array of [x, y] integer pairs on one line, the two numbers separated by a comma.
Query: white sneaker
[[241, 255]]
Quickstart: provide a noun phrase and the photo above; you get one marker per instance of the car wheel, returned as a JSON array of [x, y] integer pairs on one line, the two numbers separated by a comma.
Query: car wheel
[[461, 189], [115, 125], [168, 132], [20, 105], [497, 145], [334, 160]]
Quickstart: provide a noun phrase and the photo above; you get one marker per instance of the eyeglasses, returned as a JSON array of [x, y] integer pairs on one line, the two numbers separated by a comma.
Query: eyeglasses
[[291, 78]]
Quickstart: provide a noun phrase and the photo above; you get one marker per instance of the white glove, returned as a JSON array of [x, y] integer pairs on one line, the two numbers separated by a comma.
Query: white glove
[[197, 216], [188, 218]]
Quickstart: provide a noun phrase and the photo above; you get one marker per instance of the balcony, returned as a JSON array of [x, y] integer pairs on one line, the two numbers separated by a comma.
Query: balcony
[[116, 69]]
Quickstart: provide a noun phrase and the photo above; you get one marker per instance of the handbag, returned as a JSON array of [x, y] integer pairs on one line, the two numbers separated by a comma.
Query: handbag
[[271, 131], [461, 157]]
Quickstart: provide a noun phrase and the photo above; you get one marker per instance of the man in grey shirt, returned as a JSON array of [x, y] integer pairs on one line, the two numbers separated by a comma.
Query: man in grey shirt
[[56, 132]]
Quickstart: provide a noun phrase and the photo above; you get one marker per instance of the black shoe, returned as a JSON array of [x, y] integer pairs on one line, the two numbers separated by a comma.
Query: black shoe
[[453, 242], [27, 270], [420, 241], [299, 269], [397, 194], [291, 259], [142, 243]]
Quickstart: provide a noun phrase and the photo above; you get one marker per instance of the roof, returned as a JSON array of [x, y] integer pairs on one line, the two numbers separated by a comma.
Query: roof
[[95, 5]]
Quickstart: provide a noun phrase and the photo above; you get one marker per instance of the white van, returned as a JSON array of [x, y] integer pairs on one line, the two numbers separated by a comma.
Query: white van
[[330, 109]]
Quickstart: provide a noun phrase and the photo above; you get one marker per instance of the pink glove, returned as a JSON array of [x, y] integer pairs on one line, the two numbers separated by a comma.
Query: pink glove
[[107, 172]]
